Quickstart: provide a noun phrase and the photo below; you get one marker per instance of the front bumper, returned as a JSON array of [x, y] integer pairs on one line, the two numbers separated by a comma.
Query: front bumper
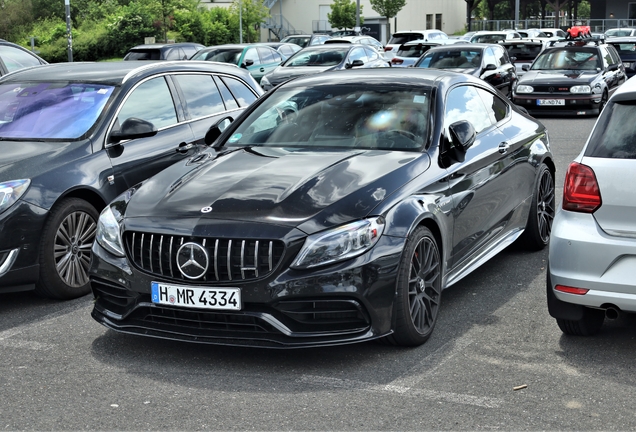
[[20, 236], [573, 105], [582, 255], [343, 303]]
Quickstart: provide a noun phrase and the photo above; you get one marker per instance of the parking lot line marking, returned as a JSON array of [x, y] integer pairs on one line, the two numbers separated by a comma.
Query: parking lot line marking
[[464, 399]]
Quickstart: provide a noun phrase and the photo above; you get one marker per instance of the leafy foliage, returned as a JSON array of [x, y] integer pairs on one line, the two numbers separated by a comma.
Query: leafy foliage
[[387, 8], [343, 14]]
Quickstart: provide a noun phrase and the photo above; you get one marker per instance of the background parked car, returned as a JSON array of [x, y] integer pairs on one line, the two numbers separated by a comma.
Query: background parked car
[[626, 49], [591, 258], [170, 51], [532, 34], [339, 223], [363, 40], [321, 58], [14, 57], [494, 36], [489, 62], [403, 37], [620, 32], [305, 40], [410, 52], [257, 59], [570, 77], [286, 50], [75, 135], [554, 33], [522, 53]]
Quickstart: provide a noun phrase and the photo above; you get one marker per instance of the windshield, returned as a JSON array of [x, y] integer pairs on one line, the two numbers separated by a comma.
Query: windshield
[[452, 59], [412, 50], [567, 59], [302, 41], [225, 55], [488, 38], [317, 57], [523, 51], [360, 117], [50, 110], [404, 38], [143, 54]]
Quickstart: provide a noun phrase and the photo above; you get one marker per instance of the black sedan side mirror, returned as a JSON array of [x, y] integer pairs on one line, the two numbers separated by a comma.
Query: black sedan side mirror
[[462, 134], [490, 67], [133, 128], [217, 129], [355, 63]]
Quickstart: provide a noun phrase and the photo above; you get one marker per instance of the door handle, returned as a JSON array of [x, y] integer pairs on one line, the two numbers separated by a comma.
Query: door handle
[[184, 147], [262, 69], [503, 147]]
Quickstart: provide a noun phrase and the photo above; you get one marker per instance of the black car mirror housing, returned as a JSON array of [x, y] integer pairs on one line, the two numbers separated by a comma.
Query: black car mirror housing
[[490, 67], [462, 134], [133, 128], [247, 64], [355, 63], [216, 130]]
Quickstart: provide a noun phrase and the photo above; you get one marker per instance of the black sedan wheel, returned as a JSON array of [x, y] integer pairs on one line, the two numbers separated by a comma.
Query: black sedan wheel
[[66, 249], [419, 290], [542, 210]]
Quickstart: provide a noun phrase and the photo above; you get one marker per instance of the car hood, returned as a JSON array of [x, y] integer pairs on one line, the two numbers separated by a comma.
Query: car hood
[[281, 74], [311, 190], [26, 159], [557, 77]]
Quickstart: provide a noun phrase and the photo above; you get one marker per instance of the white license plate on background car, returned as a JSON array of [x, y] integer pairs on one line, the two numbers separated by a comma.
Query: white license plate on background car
[[551, 102], [196, 297]]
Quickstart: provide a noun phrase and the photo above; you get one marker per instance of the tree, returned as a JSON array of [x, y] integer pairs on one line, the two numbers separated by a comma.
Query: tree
[[556, 5], [252, 13], [471, 5], [343, 14], [387, 8]]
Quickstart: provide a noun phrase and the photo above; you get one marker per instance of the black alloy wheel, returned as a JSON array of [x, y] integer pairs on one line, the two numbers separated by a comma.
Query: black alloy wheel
[[542, 211], [419, 290], [65, 253]]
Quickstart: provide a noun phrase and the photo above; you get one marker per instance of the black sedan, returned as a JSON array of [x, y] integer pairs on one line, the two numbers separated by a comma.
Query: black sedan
[[321, 58], [488, 62], [74, 136], [574, 77], [626, 49], [340, 221]]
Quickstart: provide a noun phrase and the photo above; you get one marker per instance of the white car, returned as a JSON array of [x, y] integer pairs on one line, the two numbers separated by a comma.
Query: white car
[[592, 253], [403, 37]]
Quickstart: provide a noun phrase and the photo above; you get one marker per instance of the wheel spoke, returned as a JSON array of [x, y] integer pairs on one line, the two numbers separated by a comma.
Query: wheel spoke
[[423, 295]]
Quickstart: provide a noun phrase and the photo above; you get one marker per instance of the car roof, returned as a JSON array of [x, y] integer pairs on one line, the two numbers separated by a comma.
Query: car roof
[[113, 73], [330, 47], [165, 45], [621, 39]]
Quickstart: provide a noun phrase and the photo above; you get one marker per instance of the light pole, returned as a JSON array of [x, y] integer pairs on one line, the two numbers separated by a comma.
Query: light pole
[[240, 22], [357, 29], [69, 48]]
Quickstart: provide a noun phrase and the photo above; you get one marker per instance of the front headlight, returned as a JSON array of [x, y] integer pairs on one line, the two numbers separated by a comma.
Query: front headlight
[[522, 88], [11, 191], [581, 89], [343, 242], [108, 235]]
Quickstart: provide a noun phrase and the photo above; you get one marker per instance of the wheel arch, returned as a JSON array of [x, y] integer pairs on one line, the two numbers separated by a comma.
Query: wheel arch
[[90, 196]]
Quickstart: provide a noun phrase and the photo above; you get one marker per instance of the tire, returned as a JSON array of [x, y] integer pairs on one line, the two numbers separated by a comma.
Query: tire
[[419, 290], [588, 325], [65, 249], [542, 209]]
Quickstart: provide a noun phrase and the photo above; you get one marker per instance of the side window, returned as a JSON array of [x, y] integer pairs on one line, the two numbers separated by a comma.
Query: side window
[[175, 54], [464, 103], [230, 102], [372, 54], [502, 55], [358, 54], [252, 54], [496, 107], [201, 95], [266, 55], [240, 91], [14, 58], [277, 57], [151, 101]]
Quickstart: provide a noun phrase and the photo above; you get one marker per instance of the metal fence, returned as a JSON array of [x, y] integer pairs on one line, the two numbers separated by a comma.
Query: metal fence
[[596, 25]]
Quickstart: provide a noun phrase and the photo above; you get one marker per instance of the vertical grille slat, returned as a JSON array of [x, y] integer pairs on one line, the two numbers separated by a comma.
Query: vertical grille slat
[[233, 259]]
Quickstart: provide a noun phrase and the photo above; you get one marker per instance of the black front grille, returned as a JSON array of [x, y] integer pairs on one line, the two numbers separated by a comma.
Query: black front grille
[[204, 321], [556, 89], [114, 297], [229, 259], [332, 311]]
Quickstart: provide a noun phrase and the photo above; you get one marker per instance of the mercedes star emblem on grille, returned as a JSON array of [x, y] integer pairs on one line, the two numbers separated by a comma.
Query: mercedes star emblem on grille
[[192, 260], [551, 89]]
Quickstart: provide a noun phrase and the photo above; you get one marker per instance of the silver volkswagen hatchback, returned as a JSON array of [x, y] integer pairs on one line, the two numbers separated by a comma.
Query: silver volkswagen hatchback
[[592, 253]]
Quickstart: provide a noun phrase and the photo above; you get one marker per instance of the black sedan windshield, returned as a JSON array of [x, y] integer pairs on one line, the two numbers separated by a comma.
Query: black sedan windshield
[[567, 59], [50, 110], [318, 57], [339, 116]]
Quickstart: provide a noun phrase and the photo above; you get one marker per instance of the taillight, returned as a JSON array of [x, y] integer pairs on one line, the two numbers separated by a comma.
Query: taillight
[[388, 48], [581, 192], [397, 60], [571, 290]]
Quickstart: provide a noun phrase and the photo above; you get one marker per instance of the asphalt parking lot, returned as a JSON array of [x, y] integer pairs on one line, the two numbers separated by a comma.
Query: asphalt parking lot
[[497, 360]]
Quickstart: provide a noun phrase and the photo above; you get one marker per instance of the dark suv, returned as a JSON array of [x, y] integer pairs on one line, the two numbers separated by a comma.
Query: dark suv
[[168, 51], [75, 135], [570, 77]]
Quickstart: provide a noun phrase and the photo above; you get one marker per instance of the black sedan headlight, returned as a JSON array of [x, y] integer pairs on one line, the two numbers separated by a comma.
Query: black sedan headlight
[[337, 244]]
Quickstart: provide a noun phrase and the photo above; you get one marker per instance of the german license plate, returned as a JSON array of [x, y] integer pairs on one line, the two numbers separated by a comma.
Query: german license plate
[[196, 297], [551, 102]]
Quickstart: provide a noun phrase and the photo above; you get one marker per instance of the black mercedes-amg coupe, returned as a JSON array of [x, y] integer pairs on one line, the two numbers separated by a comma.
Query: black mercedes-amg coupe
[[334, 210]]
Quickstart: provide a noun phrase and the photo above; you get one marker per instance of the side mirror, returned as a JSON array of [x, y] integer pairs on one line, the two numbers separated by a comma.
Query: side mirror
[[613, 67], [247, 64], [132, 128], [490, 67], [525, 67], [355, 63], [462, 134], [217, 129]]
